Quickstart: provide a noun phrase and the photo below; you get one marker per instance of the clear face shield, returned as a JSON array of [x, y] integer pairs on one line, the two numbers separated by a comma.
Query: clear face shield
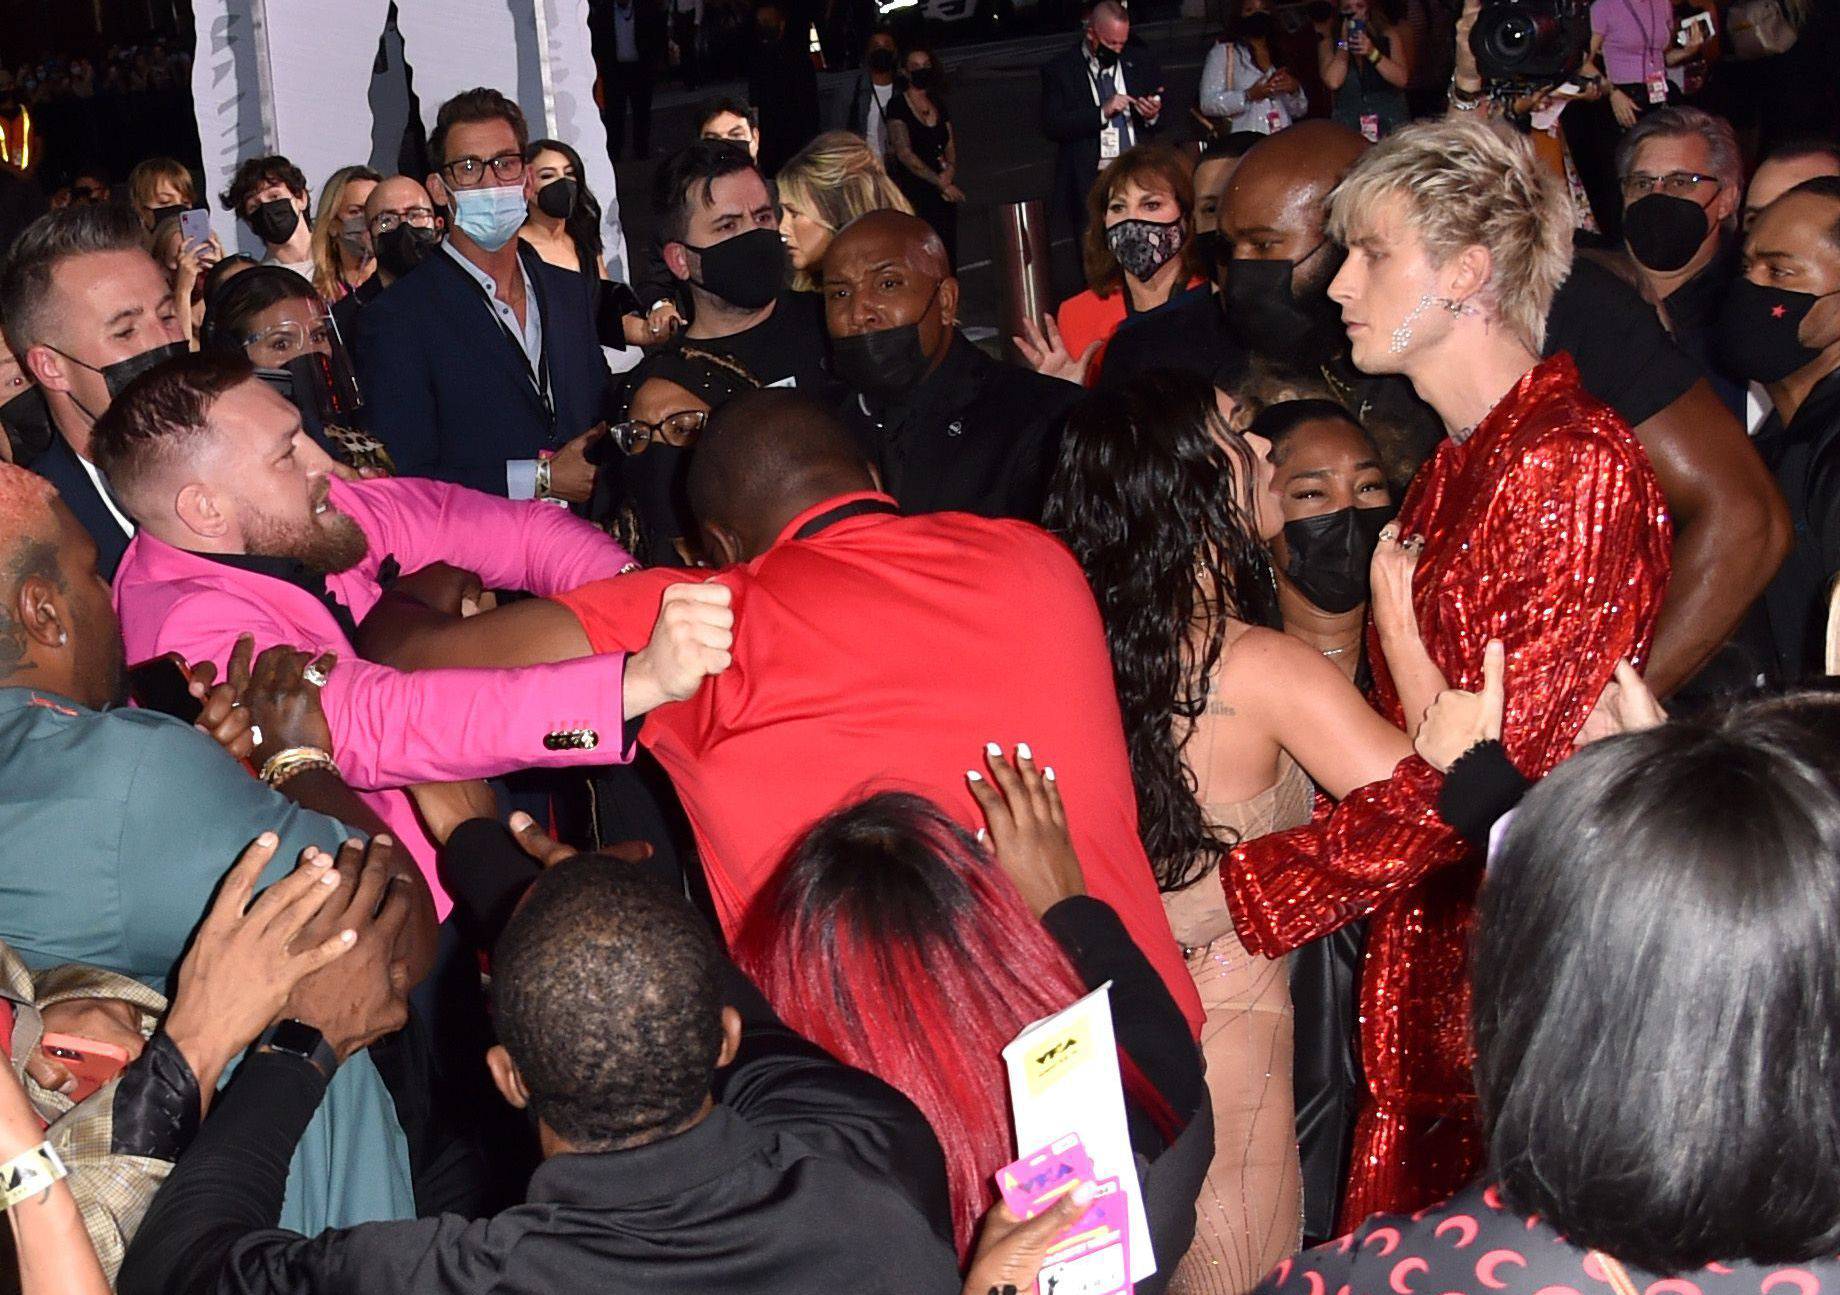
[[302, 356]]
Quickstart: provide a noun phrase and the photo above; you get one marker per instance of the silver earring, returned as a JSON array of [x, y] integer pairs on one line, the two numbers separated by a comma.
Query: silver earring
[[1402, 336], [63, 637]]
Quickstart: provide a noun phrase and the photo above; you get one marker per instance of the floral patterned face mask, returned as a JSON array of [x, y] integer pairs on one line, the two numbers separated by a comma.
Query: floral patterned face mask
[[1144, 246]]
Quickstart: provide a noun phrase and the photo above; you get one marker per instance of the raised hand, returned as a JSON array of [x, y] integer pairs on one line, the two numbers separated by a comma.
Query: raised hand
[[225, 717], [1458, 720], [1046, 352], [248, 958], [1028, 827], [365, 995], [283, 699], [571, 475], [691, 640]]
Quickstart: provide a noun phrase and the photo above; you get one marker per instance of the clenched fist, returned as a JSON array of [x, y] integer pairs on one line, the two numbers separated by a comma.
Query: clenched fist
[[691, 640]]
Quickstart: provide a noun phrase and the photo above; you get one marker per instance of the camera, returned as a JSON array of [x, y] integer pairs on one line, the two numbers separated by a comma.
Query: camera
[[1530, 42]]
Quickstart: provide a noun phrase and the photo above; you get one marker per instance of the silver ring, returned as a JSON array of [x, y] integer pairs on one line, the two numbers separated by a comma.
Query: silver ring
[[315, 674], [255, 734]]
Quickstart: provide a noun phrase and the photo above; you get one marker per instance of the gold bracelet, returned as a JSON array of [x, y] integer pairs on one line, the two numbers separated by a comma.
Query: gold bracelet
[[29, 1173], [282, 765]]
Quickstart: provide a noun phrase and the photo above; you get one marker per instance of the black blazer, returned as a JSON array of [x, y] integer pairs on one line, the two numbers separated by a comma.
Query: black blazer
[[59, 465], [450, 395], [651, 33], [1071, 119]]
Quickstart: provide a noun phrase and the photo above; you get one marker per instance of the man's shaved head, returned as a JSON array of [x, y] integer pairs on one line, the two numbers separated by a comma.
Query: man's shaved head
[[764, 458], [1284, 180], [898, 234]]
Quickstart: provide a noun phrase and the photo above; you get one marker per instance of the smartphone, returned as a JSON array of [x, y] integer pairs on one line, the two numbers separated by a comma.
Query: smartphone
[[163, 685], [195, 225], [91, 1063], [1698, 27]]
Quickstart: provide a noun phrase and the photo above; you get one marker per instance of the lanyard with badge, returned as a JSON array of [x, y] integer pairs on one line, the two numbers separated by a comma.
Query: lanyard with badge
[[1655, 81], [537, 376], [1111, 136]]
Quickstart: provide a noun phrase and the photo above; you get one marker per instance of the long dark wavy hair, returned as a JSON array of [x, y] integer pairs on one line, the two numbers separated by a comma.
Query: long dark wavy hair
[[1153, 496], [583, 225]]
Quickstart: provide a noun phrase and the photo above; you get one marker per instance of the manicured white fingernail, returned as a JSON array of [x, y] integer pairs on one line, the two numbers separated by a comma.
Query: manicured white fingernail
[[328, 878], [991, 748], [348, 937], [1023, 752], [521, 821], [1048, 773], [268, 840], [974, 775]]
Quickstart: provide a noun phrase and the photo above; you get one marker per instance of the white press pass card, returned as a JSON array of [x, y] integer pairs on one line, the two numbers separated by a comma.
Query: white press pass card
[[1063, 1078]]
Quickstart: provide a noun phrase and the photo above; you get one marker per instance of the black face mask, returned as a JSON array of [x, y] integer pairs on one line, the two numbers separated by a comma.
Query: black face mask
[[404, 248], [1265, 317], [1663, 232], [163, 213], [1757, 333], [118, 375], [881, 61], [1207, 248], [275, 221], [1104, 55], [1256, 26], [746, 271], [557, 198], [1330, 555], [29, 429], [887, 364], [924, 77]]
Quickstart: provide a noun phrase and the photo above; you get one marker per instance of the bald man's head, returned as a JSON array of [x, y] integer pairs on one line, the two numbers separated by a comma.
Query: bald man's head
[[1273, 242], [57, 628], [764, 458], [888, 270]]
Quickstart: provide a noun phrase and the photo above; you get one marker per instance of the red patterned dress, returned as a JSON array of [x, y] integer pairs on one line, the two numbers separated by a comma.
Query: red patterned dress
[[1544, 528]]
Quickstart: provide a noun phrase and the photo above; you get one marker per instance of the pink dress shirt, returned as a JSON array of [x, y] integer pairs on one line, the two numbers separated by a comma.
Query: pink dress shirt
[[391, 728]]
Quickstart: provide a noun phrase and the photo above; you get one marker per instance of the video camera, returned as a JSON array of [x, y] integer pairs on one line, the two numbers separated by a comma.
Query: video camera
[[1530, 43]]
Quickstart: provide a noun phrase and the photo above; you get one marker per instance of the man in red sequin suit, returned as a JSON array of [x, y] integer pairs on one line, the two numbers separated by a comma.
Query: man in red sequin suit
[[1543, 526]]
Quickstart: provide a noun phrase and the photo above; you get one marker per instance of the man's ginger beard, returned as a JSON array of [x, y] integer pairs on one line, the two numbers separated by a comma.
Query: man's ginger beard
[[327, 542]]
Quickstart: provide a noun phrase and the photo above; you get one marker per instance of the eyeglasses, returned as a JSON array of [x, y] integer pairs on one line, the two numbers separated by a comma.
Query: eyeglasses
[[466, 171], [420, 217], [1677, 184], [635, 436], [275, 345]]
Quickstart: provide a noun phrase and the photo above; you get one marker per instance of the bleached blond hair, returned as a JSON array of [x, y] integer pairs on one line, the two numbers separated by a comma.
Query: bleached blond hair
[[1471, 184]]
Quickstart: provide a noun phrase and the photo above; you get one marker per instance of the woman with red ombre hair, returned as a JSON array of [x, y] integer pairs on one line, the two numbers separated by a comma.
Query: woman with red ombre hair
[[893, 939]]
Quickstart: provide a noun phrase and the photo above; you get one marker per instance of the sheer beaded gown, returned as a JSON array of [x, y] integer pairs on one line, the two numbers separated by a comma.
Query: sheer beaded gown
[[1249, 1215]]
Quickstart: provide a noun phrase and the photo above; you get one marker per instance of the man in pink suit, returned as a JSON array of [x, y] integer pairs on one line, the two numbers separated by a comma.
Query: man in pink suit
[[241, 532]]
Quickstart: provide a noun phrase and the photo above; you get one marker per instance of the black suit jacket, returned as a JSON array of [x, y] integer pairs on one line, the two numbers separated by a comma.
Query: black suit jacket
[[1071, 119], [59, 465], [449, 393], [976, 436], [651, 33]]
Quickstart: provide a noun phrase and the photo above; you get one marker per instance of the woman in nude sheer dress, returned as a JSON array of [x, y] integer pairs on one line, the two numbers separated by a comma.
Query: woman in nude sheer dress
[[1228, 721]]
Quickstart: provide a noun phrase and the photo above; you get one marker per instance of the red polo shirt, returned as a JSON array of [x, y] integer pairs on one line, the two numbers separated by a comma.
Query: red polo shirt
[[881, 654]]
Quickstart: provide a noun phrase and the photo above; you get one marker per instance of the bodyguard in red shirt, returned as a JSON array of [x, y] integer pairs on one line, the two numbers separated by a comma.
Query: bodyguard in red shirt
[[872, 652]]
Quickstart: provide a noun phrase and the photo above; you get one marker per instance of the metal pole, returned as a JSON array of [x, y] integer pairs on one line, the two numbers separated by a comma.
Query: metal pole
[[1025, 281]]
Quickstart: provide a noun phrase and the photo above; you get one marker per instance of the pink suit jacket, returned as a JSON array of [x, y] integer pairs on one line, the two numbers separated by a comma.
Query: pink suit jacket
[[391, 728]]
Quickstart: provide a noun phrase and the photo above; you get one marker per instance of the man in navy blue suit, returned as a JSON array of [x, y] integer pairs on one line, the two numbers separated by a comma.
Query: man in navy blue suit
[[1098, 99], [86, 310], [481, 366]]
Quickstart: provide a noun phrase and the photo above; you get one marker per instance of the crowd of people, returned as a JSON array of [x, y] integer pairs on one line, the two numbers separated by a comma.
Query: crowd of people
[[478, 823]]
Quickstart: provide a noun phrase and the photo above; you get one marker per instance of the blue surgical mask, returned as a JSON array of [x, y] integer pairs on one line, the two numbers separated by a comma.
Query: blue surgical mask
[[490, 217]]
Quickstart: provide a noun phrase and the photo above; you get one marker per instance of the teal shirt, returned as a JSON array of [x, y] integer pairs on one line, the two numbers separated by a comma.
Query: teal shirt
[[117, 827]]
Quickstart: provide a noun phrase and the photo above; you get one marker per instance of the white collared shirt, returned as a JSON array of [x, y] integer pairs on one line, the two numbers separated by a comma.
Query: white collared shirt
[[108, 500]]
